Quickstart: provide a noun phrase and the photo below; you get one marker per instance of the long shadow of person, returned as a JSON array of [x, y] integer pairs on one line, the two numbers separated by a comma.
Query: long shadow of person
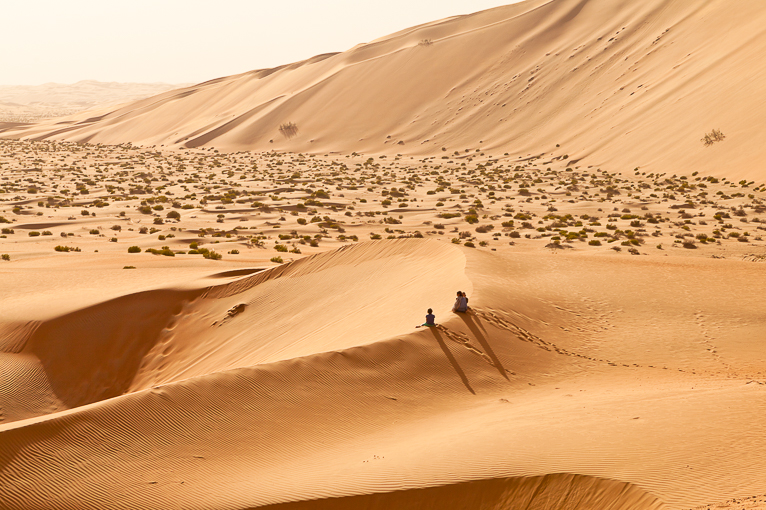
[[451, 358], [473, 323]]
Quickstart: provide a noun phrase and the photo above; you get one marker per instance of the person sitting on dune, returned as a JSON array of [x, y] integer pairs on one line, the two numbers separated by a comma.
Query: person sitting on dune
[[430, 319], [461, 303]]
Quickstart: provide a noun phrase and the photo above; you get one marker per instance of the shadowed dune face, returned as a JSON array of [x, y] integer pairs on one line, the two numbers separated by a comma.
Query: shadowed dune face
[[560, 492], [619, 83]]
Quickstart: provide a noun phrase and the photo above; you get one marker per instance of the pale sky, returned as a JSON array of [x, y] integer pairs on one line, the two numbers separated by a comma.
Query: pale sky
[[179, 41]]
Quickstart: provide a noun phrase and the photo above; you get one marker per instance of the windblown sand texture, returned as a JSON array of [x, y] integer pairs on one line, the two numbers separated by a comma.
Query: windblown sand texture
[[225, 327]]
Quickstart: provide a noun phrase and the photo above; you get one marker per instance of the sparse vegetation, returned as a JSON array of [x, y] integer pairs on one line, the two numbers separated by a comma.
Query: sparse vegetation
[[713, 137], [288, 129]]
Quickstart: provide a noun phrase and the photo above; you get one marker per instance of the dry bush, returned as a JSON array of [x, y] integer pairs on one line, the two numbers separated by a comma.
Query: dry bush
[[289, 129], [714, 136]]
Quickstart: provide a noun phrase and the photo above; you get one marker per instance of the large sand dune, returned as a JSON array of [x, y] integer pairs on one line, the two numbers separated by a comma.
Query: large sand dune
[[604, 381], [622, 83]]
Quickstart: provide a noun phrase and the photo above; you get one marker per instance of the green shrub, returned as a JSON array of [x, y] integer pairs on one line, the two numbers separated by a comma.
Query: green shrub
[[34, 234], [134, 249], [277, 260], [8, 231], [66, 248], [5, 256], [281, 248], [212, 255], [173, 215]]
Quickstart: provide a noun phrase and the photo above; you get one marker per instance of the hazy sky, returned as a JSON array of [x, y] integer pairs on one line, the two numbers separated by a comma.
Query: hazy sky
[[177, 41]]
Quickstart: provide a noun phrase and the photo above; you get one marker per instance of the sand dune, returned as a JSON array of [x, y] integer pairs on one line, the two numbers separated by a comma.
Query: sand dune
[[555, 371], [619, 83]]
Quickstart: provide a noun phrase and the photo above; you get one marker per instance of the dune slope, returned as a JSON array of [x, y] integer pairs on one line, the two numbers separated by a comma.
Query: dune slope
[[558, 389], [618, 83]]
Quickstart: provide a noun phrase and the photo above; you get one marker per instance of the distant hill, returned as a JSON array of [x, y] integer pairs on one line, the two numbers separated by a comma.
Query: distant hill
[[26, 103], [621, 83]]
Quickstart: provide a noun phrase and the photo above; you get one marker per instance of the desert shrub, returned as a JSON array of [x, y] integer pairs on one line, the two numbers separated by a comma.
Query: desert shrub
[[483, 229], [594, 242], [472, 218], [448, 216], [5, 256], [277, 260], [438, 226], [514, 235], [302, 221], [234, 252], [84, 213], [66, 248], [425, 42], [634, 251], [158, 221], [129, 267], [280, 248], [212, 255], [94, 231], [8, 231], [173, 215], [288, 129], [116, 228], [34, 234], [166, 251], [469, 244], [714, 136], [144, 209], [143, 230], [134, 249]]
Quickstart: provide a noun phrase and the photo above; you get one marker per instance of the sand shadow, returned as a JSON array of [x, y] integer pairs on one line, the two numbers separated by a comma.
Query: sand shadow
[[451, 358], [472, 321]]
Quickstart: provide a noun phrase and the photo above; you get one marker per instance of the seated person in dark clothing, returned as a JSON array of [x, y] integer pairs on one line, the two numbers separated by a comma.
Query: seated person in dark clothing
[[430, 318]]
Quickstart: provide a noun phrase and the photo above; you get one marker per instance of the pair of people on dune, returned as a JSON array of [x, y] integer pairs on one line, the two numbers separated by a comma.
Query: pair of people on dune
[[460, 306]]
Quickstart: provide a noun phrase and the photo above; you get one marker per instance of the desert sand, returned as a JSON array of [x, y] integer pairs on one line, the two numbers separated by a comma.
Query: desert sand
[[201, 310]]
